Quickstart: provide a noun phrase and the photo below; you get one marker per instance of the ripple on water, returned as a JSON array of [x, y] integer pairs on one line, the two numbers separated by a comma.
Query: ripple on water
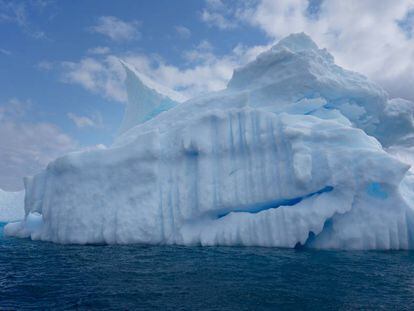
[[48, 276]]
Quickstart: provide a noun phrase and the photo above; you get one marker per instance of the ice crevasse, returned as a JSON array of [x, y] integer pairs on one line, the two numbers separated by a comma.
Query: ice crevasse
[[295, 151]]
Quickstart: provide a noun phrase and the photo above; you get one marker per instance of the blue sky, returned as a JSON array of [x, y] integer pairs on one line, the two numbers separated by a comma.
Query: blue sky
[[62, 85], [59, 32]]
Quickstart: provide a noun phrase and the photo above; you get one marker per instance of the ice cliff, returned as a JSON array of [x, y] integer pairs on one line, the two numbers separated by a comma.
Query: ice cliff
[[295, 151]]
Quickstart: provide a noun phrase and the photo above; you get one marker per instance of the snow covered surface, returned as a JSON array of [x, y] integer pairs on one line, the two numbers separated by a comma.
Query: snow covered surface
[[11, 206], [293, 152]]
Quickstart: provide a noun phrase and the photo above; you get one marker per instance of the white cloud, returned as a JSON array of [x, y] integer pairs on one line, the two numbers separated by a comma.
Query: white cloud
[[16, 12], [207, 72], [5, 52], [183, 32], [202, 52], [45, 65], [84, 121], [26, 147], [99, 50], [219, 15], [211, 74], [364, 36], [227, 14], [205, 45], [216, 19], [14, 108], [98, 76], [117, 29]]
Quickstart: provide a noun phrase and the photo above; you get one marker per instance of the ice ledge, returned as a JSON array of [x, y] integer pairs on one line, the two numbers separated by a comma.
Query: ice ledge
[[260, 207]]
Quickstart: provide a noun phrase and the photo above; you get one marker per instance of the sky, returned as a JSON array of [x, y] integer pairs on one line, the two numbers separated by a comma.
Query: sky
[[61, 82]]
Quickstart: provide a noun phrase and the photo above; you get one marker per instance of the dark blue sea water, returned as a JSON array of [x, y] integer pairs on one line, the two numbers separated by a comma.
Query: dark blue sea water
[[42, 276]]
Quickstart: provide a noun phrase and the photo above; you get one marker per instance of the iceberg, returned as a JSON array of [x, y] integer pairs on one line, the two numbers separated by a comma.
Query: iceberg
[[296, 151]]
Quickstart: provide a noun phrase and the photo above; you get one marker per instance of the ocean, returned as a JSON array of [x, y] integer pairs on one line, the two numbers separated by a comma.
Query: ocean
[[45, 276]]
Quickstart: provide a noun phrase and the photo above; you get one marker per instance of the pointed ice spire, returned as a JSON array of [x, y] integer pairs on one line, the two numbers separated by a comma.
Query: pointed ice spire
[[146, 99], [297, 42]]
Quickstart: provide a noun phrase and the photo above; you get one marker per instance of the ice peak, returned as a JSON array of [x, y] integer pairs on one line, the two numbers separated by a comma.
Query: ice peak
[[296, 42], [151, 84], [292, 55], [146, 99], [297, 68]]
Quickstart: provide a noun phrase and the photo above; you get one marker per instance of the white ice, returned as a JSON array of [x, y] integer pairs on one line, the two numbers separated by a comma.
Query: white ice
[[293, 152]]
